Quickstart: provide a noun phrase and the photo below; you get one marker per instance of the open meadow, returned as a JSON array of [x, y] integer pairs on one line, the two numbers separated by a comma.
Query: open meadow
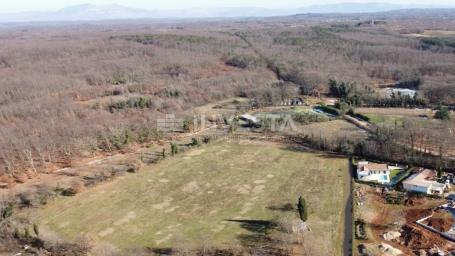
[[226, 194]]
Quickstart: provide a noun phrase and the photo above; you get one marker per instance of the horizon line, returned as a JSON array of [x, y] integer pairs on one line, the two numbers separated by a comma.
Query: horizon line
[[419, 6]]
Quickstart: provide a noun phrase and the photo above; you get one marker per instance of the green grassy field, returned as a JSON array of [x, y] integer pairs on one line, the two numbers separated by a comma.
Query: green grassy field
[[395, 116], [385, 119], [214, 194]]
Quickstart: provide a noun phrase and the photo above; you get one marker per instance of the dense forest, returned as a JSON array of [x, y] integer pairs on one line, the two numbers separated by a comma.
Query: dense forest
[[70, 91]]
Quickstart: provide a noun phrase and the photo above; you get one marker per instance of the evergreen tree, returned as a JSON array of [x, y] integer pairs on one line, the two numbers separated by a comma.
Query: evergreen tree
[[35, 229], [174, 149], [302, 208], [439, 172], [442, 113], [233, 126]]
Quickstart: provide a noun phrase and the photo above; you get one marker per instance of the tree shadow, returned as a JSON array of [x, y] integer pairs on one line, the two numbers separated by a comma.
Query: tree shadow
[[256, 226], [331, 155], [162, 251], [254, 240], [259, 229], [288, 207], [298, 148]]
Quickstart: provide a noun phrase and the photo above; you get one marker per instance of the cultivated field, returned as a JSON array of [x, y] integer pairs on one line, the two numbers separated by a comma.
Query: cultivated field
[[225, 194]]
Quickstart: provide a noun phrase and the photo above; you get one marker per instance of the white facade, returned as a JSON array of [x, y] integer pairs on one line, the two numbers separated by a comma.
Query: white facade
[[400, 91], [373, 172], [416, 188], [422, 182]]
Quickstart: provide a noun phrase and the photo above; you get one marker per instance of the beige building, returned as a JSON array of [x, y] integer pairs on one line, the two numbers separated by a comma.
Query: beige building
[[424, 182]]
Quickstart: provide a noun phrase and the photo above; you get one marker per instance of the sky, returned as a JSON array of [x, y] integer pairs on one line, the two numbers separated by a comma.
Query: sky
[[7, 6]]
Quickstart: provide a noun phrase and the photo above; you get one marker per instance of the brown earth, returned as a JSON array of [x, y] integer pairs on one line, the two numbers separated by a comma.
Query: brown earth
[[442, 221], [381, 217], [413, 215], [416, 238]]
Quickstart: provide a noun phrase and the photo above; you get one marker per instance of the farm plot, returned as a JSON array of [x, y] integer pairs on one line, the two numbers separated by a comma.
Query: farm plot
[[333, 129], [394, 116], [226, 194]]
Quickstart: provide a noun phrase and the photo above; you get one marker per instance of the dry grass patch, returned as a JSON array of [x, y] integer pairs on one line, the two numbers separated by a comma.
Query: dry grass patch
[[405, 112], [332, 129], [227, 200]]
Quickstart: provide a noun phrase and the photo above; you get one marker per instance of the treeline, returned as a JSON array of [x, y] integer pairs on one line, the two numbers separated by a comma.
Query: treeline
[[446, 44], [356, 96], [135, 102], [60, 94], [244, 61], [64, 99], [365, 55], [390, 145]]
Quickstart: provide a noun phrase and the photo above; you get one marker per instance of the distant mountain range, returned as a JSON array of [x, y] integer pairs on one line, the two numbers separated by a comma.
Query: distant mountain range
[[88, 12]]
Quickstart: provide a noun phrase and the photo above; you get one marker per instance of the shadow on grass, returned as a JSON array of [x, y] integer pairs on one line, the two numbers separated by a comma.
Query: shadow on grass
[[298, 148], [259, 229], [282, 208], [256, 226], [162, 251], [329, 155], [256, 242], [319, 152]]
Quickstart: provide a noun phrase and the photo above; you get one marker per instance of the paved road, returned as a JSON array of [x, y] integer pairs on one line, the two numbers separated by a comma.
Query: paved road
[[347, 244]]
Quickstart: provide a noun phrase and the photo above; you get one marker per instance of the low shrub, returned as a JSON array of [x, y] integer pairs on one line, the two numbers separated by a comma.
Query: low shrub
[[133, 102], [308, 117], [360, 232], [6, 210], [195, 142], [134, 166], [28, 199], [206, 139], [244, 61], [75, 188], [395, 198]]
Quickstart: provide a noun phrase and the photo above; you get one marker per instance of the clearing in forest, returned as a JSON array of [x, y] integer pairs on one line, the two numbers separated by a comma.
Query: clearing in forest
[[226, 194]]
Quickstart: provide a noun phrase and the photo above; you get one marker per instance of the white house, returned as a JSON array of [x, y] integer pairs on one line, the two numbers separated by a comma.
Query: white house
[[424, 182], [373, 172], [400, 91]]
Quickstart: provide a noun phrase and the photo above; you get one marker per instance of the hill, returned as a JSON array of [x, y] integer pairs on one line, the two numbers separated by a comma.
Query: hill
[[88, 12]]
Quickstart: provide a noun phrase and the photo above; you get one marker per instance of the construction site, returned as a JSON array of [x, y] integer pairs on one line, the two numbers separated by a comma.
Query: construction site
[[394, 223]]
